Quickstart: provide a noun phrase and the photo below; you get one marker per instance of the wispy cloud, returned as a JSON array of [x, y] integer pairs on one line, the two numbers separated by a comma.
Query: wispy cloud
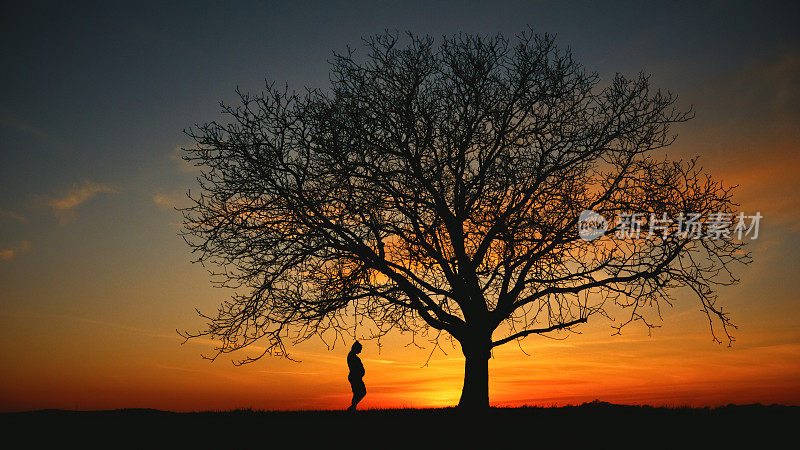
[[103, 323], [9, 253], [773, 82], [9, 120], [758, 101], [163, 200], [12, 215], [183, 165], [287, 372], [79, 193], [172, 200]]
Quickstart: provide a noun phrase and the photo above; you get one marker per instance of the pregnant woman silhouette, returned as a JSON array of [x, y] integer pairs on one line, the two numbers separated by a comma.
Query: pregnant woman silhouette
[[356, 375]]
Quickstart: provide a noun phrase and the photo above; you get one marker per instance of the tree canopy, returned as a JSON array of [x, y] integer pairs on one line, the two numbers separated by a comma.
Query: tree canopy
[[436, 187]]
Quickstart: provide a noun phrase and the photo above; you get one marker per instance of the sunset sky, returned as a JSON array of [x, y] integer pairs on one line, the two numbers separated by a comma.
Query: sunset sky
[[94, 279]]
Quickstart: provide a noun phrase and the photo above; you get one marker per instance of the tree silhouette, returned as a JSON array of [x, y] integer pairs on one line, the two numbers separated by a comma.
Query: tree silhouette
[[436, 189]]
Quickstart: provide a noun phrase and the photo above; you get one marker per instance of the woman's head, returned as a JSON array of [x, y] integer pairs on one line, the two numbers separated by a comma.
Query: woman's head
[[356, 348]]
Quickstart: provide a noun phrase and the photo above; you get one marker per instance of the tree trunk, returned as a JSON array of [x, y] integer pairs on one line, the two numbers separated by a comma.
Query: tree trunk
[[475, 393]]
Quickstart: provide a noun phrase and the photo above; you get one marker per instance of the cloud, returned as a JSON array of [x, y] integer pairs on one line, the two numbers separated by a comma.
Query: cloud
[[9, 253], [761, 99], [12, 215], [164, 200], [173, 200], [9, 120], [183, 165], [78, 194], [766, 170], [773, 83], [746, 130]]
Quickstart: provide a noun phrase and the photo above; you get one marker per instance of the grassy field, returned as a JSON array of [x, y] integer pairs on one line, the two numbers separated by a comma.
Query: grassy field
[[595, 422]]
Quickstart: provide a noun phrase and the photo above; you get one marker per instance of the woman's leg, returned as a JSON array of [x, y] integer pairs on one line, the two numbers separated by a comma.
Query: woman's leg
[[359, 392]]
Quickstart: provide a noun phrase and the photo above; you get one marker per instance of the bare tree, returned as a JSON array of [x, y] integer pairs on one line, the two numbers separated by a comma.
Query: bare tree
[[435, 189]]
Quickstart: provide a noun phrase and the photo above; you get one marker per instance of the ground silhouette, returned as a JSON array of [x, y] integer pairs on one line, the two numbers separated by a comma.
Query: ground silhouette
[[599, 423]]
